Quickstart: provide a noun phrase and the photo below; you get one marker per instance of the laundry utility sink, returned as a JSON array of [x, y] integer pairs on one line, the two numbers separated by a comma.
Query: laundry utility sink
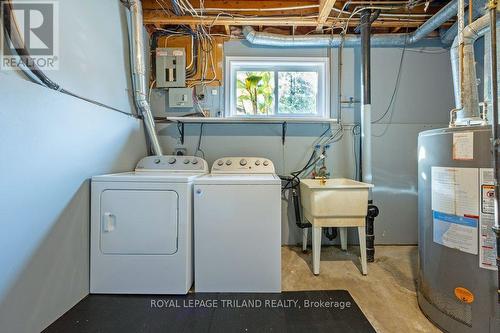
[[333, 198], [340, 203]]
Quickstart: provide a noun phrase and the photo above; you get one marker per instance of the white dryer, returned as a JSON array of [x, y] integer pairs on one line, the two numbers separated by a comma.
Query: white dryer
[[237, 227], [141, 227]]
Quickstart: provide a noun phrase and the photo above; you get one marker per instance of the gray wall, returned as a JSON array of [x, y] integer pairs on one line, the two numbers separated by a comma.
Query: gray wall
[[51, 145], [424, 99]]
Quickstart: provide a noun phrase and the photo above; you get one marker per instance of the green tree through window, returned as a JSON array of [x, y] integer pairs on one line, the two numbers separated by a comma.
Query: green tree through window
[[255, 93]]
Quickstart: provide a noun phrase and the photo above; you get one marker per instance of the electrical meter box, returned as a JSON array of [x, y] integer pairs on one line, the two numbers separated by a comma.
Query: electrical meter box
[[170, 67]]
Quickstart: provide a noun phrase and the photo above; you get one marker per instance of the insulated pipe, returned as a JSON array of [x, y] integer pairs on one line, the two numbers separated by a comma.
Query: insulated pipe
[[468, 110], [386, 40], [137, 62]]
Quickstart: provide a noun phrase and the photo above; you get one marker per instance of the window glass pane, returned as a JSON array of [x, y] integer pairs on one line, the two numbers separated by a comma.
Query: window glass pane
[[254, 93], [297, 92]]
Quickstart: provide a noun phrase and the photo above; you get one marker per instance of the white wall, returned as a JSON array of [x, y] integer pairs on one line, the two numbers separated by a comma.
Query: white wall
[[93, 51], [423, 101], [51, 145]]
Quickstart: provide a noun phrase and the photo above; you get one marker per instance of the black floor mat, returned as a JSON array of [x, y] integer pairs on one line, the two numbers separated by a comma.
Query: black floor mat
[[298, 311]]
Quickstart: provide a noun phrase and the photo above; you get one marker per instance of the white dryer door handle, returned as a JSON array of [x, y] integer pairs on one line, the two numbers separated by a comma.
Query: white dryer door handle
[[108, 222]]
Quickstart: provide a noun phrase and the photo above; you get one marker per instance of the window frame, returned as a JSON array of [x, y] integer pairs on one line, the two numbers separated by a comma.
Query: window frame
[[276, 65]]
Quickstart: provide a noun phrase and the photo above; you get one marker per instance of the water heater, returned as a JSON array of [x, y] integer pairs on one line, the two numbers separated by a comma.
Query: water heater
[[457, 286]]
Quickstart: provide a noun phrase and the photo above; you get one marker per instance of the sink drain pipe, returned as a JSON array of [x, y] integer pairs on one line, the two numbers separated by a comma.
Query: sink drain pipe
[[366, 145]]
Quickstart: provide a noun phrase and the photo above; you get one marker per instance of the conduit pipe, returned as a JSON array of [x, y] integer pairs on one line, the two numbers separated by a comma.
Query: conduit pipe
[[467, 101], [138, 65], [379, 40]]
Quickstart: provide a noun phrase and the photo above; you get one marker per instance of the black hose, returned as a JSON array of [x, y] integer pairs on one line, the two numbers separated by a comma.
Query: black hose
[[23, 54], [331, 233], [296, 206]]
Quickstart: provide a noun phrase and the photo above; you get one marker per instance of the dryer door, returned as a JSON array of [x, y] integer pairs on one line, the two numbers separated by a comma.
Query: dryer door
[[139, 222]]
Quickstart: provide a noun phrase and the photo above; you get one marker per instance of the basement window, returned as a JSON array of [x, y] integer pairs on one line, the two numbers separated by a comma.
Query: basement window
[[277, 87]]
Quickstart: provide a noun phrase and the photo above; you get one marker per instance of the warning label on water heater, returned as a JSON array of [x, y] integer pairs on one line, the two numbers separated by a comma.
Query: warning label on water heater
[[455, 208], [487, 240], [463, 146]]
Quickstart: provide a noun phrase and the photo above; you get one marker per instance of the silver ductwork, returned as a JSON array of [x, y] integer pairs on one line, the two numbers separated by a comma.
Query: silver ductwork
[[138, 66], [478, 10], [467, 106], [380, 40]]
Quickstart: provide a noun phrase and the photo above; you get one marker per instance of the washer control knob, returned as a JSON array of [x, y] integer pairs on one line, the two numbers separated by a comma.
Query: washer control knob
[[257, 162], [266, 163], [186, 161], [171, 160], [194, 161], [220, 162], [229, 162], [243, 162]]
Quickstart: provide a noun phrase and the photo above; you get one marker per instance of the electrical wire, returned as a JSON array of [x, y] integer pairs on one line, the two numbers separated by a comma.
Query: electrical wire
[[198, 147], [396, 84]]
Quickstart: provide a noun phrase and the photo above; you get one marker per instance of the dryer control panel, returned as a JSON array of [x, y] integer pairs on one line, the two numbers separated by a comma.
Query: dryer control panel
[[172, 163], [243, 165]]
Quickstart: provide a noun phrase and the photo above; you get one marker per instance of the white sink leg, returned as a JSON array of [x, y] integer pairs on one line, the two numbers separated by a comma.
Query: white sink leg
[[304, 239], [316, 248], [343, 238], [362, 249]]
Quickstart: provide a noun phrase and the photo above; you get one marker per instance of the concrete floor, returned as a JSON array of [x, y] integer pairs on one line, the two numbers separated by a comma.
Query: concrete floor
[[386, 295]]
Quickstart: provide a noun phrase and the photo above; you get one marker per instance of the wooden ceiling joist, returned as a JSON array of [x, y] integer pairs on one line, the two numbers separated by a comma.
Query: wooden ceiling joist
[[299, 16], [325, 7], [155, 17]]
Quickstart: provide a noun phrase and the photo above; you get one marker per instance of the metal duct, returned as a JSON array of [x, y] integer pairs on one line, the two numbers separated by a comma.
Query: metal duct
[[386, 40], [137, 62], [478, 9], [469, 111]]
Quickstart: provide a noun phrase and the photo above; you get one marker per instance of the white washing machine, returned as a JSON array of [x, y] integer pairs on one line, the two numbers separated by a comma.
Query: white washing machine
[[237, 227], [141, 227]]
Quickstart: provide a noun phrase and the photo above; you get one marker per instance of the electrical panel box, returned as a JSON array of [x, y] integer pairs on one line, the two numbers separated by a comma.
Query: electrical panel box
[[170, 67], [180, 97]]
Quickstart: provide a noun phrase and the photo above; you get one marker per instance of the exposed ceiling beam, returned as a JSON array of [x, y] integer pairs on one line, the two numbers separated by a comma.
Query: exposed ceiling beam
[[325, 7], [156, 17]]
